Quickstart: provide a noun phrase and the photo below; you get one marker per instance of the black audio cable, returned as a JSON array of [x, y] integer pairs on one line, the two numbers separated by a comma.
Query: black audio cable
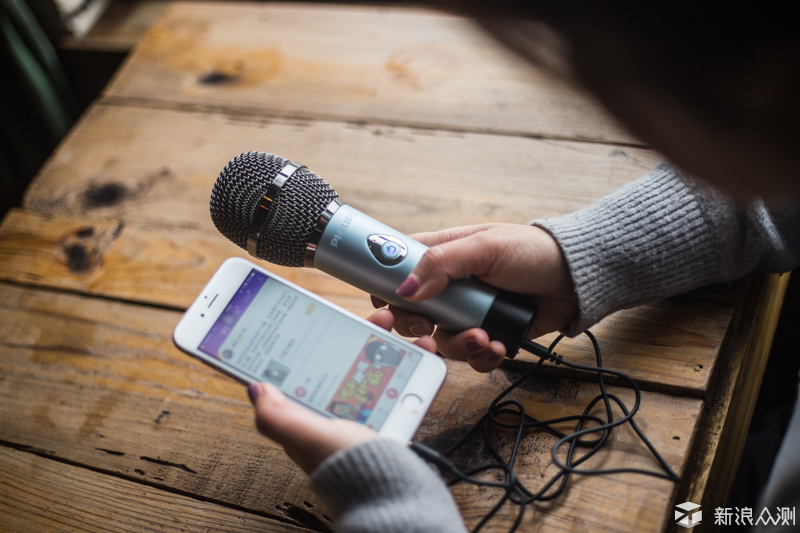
[[514, 490]]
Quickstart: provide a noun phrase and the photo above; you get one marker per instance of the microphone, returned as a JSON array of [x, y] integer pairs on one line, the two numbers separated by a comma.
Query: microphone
[[280, 211]]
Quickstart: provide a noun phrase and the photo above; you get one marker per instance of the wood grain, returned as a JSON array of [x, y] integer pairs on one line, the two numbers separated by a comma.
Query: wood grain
[[727, 416], [755, 351], [99, 384], [415, 118], [668, 421], [352, 63], [120, 27], [669, 346], [39, 494], [141, 263], [160, 166]]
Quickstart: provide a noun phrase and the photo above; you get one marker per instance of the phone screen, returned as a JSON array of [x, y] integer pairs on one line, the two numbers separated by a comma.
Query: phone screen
[[312, 352]]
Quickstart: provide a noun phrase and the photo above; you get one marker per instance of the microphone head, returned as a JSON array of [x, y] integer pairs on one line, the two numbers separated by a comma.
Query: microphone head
[[290, 222]]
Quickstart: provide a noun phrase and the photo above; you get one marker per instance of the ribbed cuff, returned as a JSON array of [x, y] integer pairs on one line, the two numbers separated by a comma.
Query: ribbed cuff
[[382, 486], [649, 240]]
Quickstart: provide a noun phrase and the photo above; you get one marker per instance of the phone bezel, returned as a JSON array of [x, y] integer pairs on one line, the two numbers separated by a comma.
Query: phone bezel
[[400, 424]]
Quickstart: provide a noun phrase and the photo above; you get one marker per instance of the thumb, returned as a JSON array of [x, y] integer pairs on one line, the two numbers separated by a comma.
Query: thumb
[[444, 262], [307, 437]]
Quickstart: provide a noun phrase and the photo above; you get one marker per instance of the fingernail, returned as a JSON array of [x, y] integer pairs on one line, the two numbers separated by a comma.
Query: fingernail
[[417, 329], [408, 287], [494, 357], [254, 390]]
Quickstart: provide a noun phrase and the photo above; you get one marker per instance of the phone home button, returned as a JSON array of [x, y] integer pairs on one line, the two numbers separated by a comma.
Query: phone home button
[[412, 403]]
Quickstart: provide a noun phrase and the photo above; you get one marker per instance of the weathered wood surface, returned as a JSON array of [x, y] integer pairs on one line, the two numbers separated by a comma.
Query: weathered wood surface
[[752, 349], [726, 415], [141, 263], [374, 64], [415, 119], [670, 423], [120, 28], [167, 246], [669, 346], [99, 384], [160, 166], [39, 494]]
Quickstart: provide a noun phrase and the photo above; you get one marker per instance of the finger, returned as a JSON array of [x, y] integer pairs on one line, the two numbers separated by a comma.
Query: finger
[[488, 359], [434, 238], [472, 346], [307, 437], [385, 319], [382, 318], [447, 261], [426, 343], [409, 324]]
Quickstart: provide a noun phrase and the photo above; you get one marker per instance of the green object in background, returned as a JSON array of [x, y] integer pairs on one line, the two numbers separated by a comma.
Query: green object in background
[[37, 106]]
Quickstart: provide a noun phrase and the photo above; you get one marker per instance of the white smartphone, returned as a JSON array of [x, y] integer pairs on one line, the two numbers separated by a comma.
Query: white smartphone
[[255, 326]]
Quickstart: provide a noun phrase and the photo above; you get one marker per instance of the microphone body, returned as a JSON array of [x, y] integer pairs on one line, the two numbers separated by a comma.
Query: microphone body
[[376, 258], [351, 246]]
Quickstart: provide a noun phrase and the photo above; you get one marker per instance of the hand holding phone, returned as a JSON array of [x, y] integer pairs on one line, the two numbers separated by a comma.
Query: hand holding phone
[[257, 327], [307, 437]]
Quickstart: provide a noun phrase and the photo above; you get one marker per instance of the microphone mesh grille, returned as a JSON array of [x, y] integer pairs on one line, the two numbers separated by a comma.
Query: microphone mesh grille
[[295, 212]]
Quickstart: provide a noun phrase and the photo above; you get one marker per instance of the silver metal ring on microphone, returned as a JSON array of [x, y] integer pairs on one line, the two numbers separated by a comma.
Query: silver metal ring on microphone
[[265, 204], [319, 229]]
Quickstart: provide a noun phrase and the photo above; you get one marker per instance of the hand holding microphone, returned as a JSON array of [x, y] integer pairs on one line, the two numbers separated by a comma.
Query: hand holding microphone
[[523, 259], [282, 212]]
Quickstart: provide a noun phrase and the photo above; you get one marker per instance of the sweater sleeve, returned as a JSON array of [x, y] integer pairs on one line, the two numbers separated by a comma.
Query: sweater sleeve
[[664, 235], [382, 486]]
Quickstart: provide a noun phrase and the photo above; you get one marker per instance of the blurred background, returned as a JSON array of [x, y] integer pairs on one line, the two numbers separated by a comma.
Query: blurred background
[[55, 58]]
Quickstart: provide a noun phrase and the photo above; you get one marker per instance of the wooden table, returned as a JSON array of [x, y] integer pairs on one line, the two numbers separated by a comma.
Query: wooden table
[[415, 118]]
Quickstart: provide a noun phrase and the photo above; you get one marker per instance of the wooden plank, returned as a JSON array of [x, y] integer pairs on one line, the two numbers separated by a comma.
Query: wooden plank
[[120, 27], [620, 502], [727, 417], [771, 289], [669, 346], [355, 63], [98, 383], [159, 166], [33, 493], [141, 263]]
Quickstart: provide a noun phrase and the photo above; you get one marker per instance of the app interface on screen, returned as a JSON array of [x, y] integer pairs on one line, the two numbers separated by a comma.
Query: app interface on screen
[[310, 351]]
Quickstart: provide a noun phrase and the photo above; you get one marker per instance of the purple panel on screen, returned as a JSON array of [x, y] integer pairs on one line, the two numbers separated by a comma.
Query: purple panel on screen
[[233, 312]]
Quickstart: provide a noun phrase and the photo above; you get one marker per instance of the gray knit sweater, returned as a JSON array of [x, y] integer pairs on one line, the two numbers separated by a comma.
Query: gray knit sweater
[[664, 235], [657, 237]]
